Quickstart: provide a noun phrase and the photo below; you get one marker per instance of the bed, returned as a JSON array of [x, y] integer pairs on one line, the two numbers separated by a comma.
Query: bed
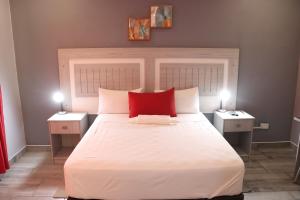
[[117, 159]]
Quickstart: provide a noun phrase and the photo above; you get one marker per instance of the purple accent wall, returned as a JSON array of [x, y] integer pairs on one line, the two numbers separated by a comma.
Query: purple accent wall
[[297, 99], [295, 132], [267, 33]]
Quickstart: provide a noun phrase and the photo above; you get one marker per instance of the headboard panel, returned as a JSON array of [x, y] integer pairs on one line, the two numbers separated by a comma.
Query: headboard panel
[[83, 71], [208, 75], [82, 77], [109, 74]]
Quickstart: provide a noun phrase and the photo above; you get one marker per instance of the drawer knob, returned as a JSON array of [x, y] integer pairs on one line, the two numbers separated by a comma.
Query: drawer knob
[[64, 127], [238, 125]]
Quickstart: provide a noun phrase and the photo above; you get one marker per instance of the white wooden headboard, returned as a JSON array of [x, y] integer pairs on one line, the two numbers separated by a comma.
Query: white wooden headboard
[[83, 71]]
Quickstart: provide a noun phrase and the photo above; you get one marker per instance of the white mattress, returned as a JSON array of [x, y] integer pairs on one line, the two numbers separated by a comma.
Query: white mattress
[[120, 160]]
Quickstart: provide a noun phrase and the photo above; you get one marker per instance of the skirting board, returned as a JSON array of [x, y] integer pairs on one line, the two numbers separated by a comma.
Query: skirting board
[[17, 155], [294, 144], [38, 148], [21, 152], [275, 144]]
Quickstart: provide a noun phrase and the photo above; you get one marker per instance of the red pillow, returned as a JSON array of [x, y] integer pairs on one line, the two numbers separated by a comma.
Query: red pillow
[[159, 103]]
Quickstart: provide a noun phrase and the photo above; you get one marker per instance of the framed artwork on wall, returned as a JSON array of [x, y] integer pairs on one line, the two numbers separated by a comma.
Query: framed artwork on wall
[[161, 16], [138, 29]]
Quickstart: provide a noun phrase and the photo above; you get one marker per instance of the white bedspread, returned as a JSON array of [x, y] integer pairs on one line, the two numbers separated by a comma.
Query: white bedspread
[[121, 160]]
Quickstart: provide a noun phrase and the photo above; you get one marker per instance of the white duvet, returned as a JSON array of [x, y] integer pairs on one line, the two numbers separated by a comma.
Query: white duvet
[[121, 160]]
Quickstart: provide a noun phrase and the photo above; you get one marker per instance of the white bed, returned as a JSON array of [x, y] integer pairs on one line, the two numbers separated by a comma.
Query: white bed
[[121, 160]]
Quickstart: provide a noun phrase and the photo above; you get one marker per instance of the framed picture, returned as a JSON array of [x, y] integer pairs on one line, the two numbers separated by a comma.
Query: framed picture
[[161, 16], [139, 29]]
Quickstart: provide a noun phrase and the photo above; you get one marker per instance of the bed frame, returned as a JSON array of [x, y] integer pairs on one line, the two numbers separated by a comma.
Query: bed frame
[[83, 71], [235, 197]]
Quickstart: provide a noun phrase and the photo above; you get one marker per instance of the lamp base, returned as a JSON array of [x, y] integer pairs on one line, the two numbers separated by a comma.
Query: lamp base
[[222, 110], [62, 112]]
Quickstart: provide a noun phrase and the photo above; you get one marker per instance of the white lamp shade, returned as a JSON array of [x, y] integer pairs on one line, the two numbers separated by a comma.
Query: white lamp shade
[[58, 97], [225, 95]]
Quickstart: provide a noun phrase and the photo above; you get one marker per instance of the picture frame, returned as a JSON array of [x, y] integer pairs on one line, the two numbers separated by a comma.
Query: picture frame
[[139, 29], [161, 16]]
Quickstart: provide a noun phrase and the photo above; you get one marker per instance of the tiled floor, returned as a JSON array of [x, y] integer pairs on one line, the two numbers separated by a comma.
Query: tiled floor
[[268, 176], [32, 177], [271, 169]]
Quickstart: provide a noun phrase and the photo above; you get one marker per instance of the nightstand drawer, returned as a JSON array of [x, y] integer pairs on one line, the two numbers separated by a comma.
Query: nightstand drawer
[[64, 127], [242, 125]]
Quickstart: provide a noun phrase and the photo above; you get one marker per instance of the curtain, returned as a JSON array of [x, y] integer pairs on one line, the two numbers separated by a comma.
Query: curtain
[[4, 165]]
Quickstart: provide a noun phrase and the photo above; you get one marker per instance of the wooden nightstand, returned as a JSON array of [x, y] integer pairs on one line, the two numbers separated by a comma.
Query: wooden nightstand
[[65, 132], [237, 130]]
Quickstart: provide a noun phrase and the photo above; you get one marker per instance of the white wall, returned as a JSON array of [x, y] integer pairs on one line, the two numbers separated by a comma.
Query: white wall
[[15, 136]]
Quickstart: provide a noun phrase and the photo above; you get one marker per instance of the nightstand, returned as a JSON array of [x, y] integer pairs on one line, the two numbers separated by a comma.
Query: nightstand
[[237, 129], [65, 131]]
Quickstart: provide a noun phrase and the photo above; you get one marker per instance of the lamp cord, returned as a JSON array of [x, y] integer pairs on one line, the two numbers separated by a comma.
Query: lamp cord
[[61, 107]]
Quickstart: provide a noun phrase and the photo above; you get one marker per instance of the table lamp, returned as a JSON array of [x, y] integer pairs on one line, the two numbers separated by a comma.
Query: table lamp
[[224, 96], [58, 98]]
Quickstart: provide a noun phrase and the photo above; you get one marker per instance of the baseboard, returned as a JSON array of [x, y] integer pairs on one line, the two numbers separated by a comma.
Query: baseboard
[[21, 152], [294, 144], [38, 148], [275, 144], [17, 155]]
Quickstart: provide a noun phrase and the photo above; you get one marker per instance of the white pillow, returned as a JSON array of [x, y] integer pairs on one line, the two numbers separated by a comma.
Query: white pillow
[[187, 100], [153, 119], [114, 101]]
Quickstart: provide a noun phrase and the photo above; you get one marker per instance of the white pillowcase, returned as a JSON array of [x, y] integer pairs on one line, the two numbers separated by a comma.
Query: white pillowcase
[[187, 100], [153, 119], [114, 101]]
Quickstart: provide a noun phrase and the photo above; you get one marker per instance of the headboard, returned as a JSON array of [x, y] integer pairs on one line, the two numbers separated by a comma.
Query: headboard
[[83, 71]]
